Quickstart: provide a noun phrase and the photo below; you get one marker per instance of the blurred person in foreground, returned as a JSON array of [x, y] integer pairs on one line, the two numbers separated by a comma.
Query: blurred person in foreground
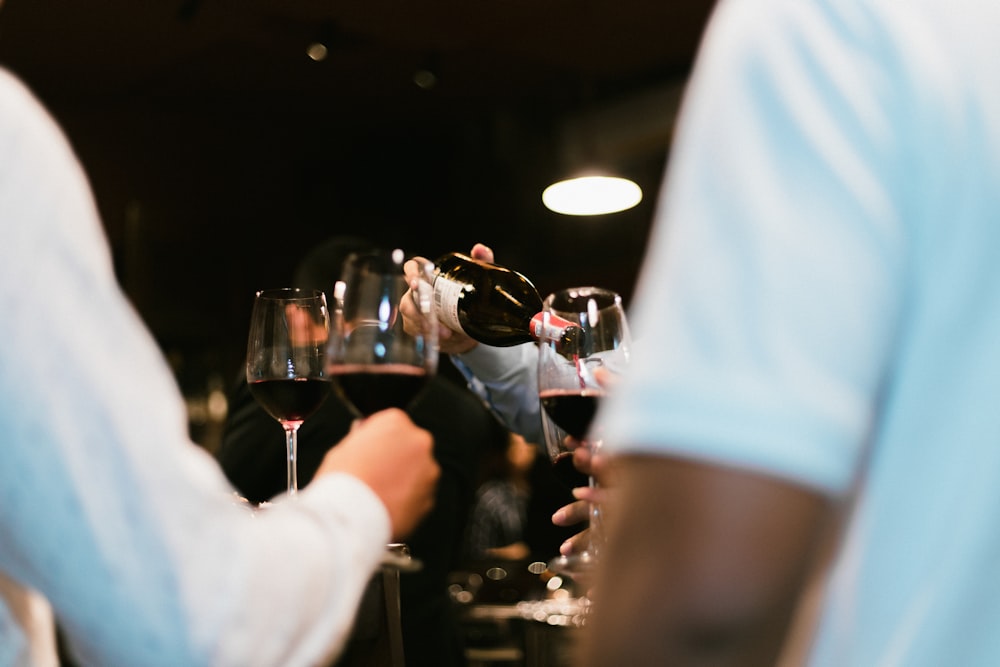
[[109, 515], [823, 287], [252, 454]]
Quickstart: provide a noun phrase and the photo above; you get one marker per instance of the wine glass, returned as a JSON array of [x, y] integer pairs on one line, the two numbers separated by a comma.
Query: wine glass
[[570, 384], [285, 374], [372, 362]]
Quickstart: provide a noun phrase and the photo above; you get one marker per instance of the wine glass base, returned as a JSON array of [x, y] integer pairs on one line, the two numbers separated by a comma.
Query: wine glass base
[[575, 566]]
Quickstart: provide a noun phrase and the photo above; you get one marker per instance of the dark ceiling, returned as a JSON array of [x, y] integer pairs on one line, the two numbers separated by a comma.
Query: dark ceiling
[[219, 152]]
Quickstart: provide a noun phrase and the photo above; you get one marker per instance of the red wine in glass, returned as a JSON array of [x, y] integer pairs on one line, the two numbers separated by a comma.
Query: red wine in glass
[[571, 410], [370, 388], [292, 399], [284, 370], [372, 360], [571, 382]]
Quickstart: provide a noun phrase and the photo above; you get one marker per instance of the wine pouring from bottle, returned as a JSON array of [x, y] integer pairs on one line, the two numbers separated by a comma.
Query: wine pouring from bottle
[[493, 304]]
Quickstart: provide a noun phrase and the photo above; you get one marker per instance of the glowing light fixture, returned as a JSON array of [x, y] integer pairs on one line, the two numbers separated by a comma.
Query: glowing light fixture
[[426, 75], [592, 195], [317, 51]]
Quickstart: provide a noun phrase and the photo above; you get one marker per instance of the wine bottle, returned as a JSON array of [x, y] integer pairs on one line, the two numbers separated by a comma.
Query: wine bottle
[[493, 304]]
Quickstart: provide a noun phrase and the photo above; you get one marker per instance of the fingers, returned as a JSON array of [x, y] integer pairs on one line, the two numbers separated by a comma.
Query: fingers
[[582, 459], [414, 320], [606, 377], [593, 495], [482, 252], [394, 458], [578, 542], [411, 268], [572, 514]]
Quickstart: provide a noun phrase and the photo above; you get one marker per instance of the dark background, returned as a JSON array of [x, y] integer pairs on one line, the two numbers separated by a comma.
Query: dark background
[[220, 153]]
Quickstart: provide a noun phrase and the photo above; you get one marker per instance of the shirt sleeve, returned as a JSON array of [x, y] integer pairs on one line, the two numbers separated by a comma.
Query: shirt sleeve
[[106, 506], [506, 378], [770, 291]]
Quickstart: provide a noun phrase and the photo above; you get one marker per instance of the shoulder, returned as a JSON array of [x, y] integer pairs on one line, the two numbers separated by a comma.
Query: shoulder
[[31, 139], [21, 111]]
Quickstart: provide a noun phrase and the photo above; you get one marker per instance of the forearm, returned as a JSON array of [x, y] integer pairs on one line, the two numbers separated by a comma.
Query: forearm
[[703, 566], [308, 561], [213, 585], [507, 379]]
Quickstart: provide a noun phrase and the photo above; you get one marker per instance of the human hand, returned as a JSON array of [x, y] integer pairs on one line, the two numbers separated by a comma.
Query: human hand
[[394, 458], [449, 340], [588, 462], [579, 511]]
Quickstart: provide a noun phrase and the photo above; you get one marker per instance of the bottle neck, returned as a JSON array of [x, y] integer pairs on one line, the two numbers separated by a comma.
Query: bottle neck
[[554, 329]]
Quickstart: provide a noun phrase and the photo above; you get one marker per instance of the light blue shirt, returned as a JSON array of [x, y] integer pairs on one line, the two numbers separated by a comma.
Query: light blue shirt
[[506, 378], [823, 286]]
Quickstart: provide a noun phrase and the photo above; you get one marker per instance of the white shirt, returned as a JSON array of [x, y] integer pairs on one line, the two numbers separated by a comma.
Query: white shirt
[[823, 290], [106, 507]]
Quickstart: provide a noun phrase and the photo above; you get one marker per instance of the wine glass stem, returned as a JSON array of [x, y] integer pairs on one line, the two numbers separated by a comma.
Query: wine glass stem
[[292, 445], [596, 532], [596, 514]]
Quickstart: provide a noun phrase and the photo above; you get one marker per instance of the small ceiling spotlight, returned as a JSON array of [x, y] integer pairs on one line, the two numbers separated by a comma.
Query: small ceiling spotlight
[[426, 75], [424, 79], [317, 51]]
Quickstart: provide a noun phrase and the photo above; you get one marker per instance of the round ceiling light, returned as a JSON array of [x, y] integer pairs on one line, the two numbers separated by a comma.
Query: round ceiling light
[[592, 195]]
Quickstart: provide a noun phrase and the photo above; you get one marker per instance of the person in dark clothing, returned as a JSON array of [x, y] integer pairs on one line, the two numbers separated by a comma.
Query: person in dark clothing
[[520, 489], [252, 454], [496, 525]]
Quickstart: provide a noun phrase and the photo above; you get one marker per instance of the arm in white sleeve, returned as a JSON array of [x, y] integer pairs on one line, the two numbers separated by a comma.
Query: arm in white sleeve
[[506, 378], [106, 507]]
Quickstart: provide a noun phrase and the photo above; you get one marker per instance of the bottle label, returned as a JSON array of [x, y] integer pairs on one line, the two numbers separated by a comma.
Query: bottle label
[[557, 326], [446, 295]]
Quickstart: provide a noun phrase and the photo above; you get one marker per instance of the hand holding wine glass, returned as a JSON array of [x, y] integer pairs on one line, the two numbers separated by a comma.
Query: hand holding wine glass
[[284, 370], [394, 458], [373, 362], [572, 377]]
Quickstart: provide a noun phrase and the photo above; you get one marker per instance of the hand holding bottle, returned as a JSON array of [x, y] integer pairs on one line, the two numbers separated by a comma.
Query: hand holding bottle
[[450, 341], [490, 304]]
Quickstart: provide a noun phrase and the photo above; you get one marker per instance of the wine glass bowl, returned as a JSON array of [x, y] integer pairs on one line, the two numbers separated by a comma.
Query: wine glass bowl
[[572, 379], [373, 363], [285, 367]]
